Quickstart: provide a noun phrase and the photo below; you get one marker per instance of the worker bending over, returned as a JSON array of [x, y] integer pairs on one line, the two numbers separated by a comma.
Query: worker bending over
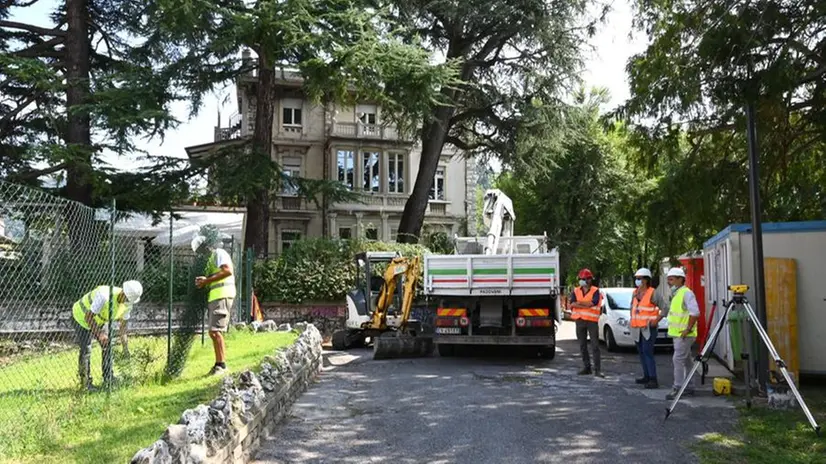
[[586, 301], [646, 314], [682, 328], [91, 313], [220, 283]]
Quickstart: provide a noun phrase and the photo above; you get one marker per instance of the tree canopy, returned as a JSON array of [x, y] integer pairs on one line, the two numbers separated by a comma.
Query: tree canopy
[[509, 53]]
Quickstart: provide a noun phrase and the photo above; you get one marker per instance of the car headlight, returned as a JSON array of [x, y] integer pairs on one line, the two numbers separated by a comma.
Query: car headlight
[[622, 321]]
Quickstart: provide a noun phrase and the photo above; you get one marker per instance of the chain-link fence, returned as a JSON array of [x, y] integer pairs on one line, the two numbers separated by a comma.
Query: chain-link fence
[[65, 271]]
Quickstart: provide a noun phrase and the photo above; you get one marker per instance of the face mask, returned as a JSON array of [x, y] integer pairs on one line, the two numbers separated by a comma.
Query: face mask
[[582, 283], [673, 288], [638, 282]]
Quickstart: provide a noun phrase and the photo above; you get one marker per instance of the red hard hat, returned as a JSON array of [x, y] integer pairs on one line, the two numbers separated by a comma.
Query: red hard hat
[[585, 274]]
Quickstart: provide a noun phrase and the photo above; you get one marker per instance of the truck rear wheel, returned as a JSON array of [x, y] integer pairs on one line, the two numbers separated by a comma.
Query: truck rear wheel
[[446, 351], [547, 352]]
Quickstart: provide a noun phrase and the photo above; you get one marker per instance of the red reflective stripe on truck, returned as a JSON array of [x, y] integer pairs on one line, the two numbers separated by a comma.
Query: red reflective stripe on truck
[[461, 280]]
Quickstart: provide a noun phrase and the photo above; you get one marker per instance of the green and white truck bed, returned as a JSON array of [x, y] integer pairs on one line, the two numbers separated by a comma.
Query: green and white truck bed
[[516, 274], [507, 299]]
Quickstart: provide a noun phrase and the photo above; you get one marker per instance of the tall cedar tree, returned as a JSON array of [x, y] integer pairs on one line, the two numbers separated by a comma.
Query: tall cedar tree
[[74, 90], [510, 54]]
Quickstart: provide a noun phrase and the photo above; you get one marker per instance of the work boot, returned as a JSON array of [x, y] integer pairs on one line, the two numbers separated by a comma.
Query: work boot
[[641, 381], [598, 373], [652, 384], [584, 371], [674, 391]]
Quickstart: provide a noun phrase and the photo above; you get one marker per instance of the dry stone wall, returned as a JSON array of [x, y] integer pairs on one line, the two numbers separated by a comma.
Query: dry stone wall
[[229, 429], [326, 317]]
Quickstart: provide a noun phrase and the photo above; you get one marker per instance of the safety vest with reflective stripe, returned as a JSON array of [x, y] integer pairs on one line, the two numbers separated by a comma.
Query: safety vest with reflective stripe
[[643, 311], [678, 316], [84, 305], [586, 314], [223, 288]]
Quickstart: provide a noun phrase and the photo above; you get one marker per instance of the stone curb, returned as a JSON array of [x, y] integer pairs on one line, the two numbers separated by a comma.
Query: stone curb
[[230, 428]]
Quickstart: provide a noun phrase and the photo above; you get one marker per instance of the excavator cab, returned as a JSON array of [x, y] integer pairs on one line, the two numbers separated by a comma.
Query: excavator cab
[[369, 282]]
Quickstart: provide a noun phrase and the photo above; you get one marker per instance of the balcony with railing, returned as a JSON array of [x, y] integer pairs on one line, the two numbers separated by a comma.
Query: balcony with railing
[[367, 131], [292, 203], [437, 208], [389, 202], [231, 132], [367, 201]]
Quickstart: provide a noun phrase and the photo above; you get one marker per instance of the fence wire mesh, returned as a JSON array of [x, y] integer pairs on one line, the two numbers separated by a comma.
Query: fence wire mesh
[[55, 253]]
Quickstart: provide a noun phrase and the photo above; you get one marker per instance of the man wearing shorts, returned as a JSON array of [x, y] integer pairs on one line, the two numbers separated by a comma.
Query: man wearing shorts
[[220, 284]]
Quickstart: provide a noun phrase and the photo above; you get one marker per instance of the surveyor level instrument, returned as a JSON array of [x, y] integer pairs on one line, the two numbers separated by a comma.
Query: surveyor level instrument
[[740, 299]]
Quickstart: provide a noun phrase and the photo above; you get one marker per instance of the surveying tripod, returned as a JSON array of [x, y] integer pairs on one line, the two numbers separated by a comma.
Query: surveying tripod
[[740, 299]]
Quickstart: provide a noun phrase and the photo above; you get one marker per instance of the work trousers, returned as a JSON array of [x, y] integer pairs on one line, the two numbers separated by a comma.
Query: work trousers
[[83, 337], [682, 361], [584, 329], [646, 350]]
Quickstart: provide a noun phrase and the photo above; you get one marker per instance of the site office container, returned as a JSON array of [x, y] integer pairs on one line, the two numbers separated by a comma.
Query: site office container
[[795, 253]]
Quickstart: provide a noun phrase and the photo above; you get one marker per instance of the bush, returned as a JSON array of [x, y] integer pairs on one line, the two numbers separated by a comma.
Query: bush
[[317, 269]]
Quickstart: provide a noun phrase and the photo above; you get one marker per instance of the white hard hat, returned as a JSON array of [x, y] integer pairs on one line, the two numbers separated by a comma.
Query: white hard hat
[[643, 272], [133, 291], [196, 242], [676, 272]]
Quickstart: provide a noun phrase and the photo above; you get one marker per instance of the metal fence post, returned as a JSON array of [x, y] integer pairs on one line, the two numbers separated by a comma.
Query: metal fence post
[[240, 281], [171, 278], [108, 364], [250, 261]]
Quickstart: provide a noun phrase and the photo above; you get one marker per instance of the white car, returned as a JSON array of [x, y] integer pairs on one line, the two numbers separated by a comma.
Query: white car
[[614, 321]]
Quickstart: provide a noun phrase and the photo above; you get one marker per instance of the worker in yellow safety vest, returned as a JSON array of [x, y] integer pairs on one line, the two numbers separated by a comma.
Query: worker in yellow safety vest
[[91, 313], [645, 316], [220, 284], [586, 301], [683, 314]]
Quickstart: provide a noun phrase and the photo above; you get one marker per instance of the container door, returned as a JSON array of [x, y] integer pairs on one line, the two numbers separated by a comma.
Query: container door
[[781, 311], [720, 292]]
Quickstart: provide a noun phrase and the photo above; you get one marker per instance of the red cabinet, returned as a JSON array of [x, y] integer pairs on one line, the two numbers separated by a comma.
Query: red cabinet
[[695, 280]]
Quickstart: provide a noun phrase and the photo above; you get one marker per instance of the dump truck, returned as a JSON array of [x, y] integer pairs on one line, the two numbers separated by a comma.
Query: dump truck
[[496, 290]]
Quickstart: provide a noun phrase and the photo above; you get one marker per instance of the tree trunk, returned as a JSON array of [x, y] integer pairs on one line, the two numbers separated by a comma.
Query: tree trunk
[[78, 133], [258, 202], [434, 133], [433, 139]]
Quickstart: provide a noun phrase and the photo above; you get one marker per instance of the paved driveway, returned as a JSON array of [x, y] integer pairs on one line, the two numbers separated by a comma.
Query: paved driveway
[[473, 410]]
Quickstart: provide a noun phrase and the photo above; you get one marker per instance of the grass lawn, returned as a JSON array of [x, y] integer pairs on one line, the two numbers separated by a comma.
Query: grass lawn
[[771, 436], [45, 418]]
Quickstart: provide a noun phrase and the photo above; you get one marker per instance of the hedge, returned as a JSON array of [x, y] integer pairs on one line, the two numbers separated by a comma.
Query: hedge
[[317, 269]]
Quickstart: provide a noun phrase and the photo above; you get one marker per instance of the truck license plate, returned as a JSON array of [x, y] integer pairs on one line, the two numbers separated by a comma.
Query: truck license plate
[[448, 330]]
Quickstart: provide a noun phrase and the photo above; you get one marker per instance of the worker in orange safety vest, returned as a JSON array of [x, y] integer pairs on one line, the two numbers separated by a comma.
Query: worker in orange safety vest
[[586, 301], [645, 317]]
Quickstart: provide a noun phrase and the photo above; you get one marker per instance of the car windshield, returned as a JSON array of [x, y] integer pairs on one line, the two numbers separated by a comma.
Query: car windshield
[[619, 300]]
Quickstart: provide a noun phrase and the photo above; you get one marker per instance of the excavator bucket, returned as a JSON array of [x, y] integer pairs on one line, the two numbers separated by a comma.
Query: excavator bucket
[[395, 344]]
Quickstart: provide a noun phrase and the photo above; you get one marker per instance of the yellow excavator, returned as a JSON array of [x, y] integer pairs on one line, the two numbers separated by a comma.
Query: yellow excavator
[[379, 309]]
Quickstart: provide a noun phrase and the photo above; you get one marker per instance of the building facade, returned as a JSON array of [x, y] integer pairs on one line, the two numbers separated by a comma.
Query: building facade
[[357, 147]]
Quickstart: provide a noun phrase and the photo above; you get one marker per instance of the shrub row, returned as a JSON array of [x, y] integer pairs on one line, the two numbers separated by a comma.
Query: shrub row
[[318, 269]]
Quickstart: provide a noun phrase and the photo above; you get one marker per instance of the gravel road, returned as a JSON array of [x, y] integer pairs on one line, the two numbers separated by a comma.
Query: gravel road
[[484, 410]]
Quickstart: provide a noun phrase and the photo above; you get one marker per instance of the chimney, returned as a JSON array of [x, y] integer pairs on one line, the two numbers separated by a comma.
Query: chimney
[[246, 59]]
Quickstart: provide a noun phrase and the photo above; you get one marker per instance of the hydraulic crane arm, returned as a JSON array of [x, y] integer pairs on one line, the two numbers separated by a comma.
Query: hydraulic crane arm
[[498, 218], [410, 268]]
